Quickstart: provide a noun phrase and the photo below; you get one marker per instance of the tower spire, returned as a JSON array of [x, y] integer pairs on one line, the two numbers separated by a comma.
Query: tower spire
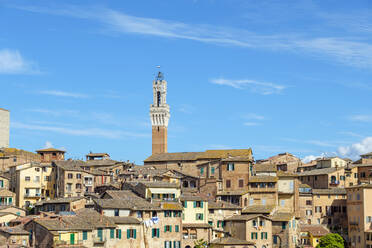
[[159, 114]]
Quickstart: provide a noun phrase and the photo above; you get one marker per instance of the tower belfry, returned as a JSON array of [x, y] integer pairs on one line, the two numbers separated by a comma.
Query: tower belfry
[[159, 114]]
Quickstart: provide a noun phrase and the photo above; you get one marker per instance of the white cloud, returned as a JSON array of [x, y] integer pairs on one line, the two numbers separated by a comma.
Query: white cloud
[[63, 94], [252, 116], [92, 132], [361, 118], [12, 62], [309, 158], [355, 150], [48, 144], [347, 50], [251, 124], [264, 88]]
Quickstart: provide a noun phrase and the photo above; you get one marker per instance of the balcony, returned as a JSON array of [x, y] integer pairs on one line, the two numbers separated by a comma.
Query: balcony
[[37, 195], [98, 240]]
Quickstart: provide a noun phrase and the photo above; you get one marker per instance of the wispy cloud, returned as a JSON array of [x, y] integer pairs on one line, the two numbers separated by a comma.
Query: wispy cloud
[[253, 116], [63, 94], [251, 124], [91, 132], [264, 88], [12, 62], [55, 112], [353, 151], [361, 118], [347, 50]]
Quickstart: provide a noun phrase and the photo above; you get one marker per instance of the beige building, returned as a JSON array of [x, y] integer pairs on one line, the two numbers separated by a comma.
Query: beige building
[[12, 157], [60, 205], [283, 162], [14, 236], [332, 162], [311, 234], [7, 198], [254, 228], [359, 216], [32, 182], [285, 229], [4, 182]]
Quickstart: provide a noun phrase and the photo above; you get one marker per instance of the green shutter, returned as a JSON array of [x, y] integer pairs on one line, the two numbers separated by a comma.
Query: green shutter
[[218, 223], [119, 233], [194, 204], [201, 204], [10, 200], [128, 233], [158, 234], [177, 228], [201, 215], [165, 244], [170, 228], [265, 235], [165, 228], [112, 233], [134, 233], [85, 235], [185, 204], [262, 235], [251, 235]]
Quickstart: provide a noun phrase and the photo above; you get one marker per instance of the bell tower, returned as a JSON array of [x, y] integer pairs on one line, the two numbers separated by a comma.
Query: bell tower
[[159, 114]]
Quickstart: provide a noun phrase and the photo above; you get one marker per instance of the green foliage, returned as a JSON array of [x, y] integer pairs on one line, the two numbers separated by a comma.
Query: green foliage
[[201, 244], [331, 240]]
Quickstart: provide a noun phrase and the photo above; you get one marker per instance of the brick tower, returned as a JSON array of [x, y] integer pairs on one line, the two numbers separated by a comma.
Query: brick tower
[[159, 114]]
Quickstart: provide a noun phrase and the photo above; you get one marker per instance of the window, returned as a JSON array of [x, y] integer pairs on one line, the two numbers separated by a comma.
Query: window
[[262, 223], [241, 183], [342, 178], [201, 171], [264, 235], [254, 223], [254, 235], [212, 170], [118, 233], [78, 186], [167, 213], [355, 175], [47, 178], [37, 179], [228, 183], [263, 201], [85, 235], [78, 176], [318, 209], [139, 214], [308, 202], [155, 232], [167, 228], [116, 212], [45, 169], [284, 225], [132, 233], [37, 169], [230, 166], [69, 176], [177, 228], [112, 233], [69, 186], [27, 178], [198, 204], [282, 203], [358, 197], [275, 239], [199, 216]]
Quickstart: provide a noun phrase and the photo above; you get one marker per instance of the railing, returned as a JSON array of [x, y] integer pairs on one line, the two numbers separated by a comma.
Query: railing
[[35, 195]]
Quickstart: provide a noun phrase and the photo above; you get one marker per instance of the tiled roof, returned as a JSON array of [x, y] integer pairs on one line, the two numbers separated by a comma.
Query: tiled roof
[[315, 230], [280, 216], [60, 200], [231, 241], [245, 217], [5, 192], [97, 154], [117, 194], [316, 172], [16, 230], [192, 156], [192, 197], [159, 184], [125, 220], [196, 225], [222, 205], [261, 179], [231, 192], [331, 191], [50, 150], [264, 209], [264, 167], [238, 159], [103, 162], [133, 203], [70, 165], [286, 174]]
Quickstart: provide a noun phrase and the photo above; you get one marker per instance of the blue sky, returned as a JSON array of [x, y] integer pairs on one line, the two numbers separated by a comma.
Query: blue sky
[[277, 76]]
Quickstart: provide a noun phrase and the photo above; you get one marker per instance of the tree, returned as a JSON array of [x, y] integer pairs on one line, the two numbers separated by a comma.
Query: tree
[[201, 244], [331, 240]]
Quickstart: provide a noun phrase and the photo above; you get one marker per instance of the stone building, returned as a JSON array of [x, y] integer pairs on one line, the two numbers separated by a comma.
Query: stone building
[[359, 214], [58, 205], [14, 236], [4, 128], [48, 155], [311, 234], [229, 242], [283, 162], [159, 115], [13, 157]]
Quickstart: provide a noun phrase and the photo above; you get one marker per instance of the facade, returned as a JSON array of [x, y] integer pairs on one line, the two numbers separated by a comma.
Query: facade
[[7, 198], [231, 243], [57, 205], [50, 154], [159, 115], [4, 128], [311, 234], [32, 182], [333, 162], [4, 182], [13, 157], [14, 236], [359, 216]]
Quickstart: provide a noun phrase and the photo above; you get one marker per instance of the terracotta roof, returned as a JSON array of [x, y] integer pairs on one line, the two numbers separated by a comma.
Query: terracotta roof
[[50, 150], [316, 172], [245, 217], [192, 197], [5, 192], [60, 200], [260, 179], [266, 209], [286, 174], [281, 216], [70, 165], [231, 192], [192, 156], [231, 241], [264, 167], [117, 194], [133, 203], [102, 163], [196, 225], [125, 220], [159, 184], [238, 159], [331, 191], [4, 109], [16, 230], [315, 230], [97, 154], [222, 205]]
